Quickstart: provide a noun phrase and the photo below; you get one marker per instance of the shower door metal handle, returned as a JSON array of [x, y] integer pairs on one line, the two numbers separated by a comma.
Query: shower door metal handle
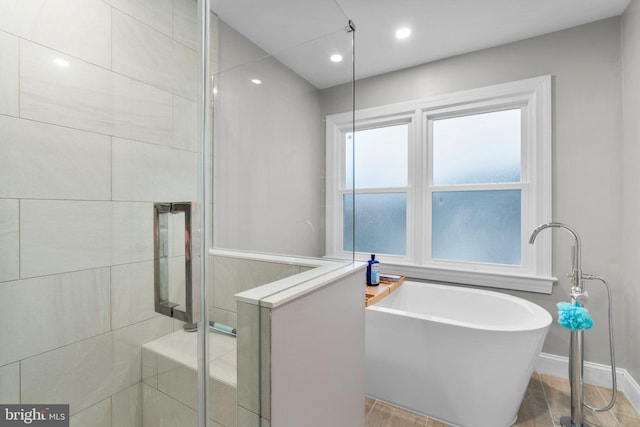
[[189, 311]]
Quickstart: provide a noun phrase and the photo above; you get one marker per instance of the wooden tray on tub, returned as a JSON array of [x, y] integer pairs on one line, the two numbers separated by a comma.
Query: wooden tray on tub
[[373, 294]]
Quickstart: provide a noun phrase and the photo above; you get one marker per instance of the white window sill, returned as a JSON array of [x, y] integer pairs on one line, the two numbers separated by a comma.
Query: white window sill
[[515, 282]]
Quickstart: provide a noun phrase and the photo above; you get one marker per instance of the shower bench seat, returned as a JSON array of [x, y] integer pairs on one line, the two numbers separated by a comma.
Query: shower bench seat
[[170, 382]]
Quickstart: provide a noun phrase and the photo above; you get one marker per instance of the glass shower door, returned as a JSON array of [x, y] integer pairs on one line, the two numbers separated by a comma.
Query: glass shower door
[[98, 121]]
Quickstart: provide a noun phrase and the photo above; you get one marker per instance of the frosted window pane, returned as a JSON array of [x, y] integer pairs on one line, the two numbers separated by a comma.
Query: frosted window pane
[[477, 226], [476, 149], [380, 157], [381, 223]]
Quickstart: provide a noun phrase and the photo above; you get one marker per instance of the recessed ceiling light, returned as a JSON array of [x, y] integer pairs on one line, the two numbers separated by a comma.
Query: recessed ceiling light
[[403, 33], [336, 57], [256, 81]]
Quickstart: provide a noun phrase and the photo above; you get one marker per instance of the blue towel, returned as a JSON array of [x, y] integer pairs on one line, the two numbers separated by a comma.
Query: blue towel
[[574, 317]]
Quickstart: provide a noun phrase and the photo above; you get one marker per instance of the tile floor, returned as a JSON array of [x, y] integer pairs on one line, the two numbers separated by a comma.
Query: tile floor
[[546, 400]]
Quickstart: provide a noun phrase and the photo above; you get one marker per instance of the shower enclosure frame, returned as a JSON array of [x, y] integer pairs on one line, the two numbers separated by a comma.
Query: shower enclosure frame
[[204, 194]]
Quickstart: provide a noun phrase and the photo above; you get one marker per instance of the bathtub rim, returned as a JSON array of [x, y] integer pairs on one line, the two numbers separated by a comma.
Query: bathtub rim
[[542, 318]]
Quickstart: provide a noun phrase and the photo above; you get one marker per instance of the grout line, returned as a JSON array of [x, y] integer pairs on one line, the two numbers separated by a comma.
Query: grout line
[[19, 239], [606, 401], [546, 397], [370, 409]]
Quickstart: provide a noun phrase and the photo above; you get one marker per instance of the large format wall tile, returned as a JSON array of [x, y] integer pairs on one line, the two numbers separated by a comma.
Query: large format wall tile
[[150, 367], [178, 380], [9, 74], [154, 13], [10, 383], [147, 55], [52, 311], [185, 22], [9, 238], [239, 275], [89, 371], [42, 161], [126, 407], [245, 166], [141, 112], [214, 43], [48, 22], [127, 345], [56, 88], [132, 232], [185, 124], [98, 415], [147, 172], [132, 298], [185, 28], [80, 374], [62, 90], [223, 404], [59, 236], [158, 409]]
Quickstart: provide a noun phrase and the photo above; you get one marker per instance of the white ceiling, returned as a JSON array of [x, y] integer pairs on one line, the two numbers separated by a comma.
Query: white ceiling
[[303, 33]]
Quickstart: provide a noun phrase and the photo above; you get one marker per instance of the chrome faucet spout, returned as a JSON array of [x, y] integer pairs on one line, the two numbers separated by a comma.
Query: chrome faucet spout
[[575, 258]]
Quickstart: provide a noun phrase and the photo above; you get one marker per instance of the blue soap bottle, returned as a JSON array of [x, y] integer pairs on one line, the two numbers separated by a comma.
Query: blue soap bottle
[[373, 271]]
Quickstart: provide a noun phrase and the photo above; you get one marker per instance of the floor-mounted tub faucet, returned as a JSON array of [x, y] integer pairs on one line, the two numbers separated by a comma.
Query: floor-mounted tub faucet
[[576, 358]]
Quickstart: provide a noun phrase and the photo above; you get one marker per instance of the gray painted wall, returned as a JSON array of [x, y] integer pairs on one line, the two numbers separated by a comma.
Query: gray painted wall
[[585, 64], [631, 183]]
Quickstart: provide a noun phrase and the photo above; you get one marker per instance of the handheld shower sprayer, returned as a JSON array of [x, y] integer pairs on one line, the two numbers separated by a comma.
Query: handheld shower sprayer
[[576, 360]]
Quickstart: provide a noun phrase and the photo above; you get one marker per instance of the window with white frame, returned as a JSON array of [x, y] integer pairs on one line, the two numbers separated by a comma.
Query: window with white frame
[[446, 188]]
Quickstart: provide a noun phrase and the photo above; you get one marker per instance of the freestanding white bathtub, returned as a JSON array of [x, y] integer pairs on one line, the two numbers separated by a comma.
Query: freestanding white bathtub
[[459, 355]]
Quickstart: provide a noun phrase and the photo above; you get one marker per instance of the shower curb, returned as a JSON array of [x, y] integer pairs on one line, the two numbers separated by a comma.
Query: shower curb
[[594, 373]]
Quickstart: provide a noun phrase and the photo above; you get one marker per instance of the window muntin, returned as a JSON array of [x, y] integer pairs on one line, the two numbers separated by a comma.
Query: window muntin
[[530, 100]]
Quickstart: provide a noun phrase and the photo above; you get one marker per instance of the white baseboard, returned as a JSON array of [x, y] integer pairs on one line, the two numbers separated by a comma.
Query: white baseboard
[[594, 373]]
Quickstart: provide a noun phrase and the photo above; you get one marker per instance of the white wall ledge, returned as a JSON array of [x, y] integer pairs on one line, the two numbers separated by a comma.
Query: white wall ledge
[[537, 284], [323, 272]]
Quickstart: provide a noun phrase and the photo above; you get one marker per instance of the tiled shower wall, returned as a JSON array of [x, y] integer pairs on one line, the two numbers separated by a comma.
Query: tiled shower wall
[[97, 121], [234, 275]]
